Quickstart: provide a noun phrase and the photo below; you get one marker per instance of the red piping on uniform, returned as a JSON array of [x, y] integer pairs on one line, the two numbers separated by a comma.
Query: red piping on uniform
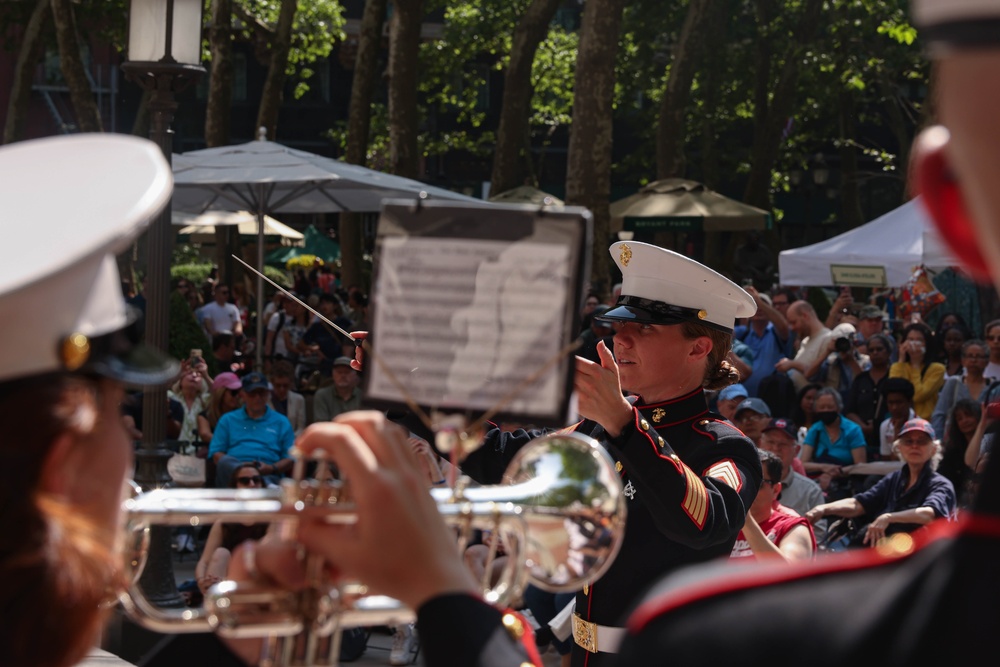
[[590, 596], [674, 400], [845, 562], [686, 419]]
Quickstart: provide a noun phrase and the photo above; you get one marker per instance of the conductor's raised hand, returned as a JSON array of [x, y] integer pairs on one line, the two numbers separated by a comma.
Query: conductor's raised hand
[[358, 362], [599, 392], [399, 545]]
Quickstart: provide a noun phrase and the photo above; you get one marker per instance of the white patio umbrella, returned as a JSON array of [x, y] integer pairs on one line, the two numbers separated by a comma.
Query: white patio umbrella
[[202, 227], [266, 177]]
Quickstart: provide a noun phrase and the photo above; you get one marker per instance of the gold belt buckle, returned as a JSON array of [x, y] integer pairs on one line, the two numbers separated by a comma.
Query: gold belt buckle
[[585, 633]]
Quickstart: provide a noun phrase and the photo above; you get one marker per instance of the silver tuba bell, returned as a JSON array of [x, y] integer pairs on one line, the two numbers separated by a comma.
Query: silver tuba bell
[[559, 512]]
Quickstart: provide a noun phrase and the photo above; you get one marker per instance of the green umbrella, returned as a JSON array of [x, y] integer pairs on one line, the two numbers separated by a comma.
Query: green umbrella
[[315, 243]]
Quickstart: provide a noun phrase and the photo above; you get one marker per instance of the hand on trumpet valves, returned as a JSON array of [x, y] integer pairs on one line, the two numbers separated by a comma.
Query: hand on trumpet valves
[[599, 392], [398, 545]]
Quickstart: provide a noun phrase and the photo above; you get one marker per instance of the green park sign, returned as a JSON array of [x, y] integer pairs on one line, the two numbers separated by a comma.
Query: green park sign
[[664, 224]]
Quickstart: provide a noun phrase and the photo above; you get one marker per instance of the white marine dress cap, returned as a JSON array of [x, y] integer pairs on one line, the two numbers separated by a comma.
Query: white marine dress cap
[[67, 206], [660, 286]]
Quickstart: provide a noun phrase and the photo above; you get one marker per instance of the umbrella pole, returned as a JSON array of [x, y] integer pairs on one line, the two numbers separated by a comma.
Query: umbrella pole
[[260, 280]]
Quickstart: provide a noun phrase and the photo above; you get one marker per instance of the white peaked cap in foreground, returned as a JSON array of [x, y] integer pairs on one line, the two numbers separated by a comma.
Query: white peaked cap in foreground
[[67, 206]]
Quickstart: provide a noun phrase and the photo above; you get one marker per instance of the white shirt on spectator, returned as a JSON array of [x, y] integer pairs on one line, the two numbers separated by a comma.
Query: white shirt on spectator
[[992, 371], [220, 318]]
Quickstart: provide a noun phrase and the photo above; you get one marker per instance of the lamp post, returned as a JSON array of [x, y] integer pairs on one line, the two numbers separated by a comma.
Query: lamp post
[[164, 57]]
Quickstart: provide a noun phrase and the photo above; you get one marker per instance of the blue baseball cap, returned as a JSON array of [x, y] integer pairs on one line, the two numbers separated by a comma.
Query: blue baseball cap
[[754, 404], [255, 380], [733, 391]]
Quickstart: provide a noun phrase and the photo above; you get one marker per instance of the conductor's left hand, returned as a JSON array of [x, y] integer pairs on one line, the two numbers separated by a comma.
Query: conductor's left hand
[[599, 392]]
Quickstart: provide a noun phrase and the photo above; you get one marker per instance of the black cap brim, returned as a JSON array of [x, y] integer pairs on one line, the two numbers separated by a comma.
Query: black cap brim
[[648, 311], [121, 356]]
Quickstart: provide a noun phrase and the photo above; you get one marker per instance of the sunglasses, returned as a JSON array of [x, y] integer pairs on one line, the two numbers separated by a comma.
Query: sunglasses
[[234, 392], [993, 338], [255, 480]]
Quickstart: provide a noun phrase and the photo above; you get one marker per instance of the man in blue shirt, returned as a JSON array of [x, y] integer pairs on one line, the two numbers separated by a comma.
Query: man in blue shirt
[[767, 335], [255, 432]]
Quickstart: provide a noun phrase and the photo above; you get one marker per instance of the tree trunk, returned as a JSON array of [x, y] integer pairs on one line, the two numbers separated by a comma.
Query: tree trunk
[[671, 128], [850, 192], [218, 109], [404, 49], [899, 124], [513, 132], [270, 98], [218, 115], [358, 130], [32, 46], [588, 177], [715, 35], [88, 116], [770, 119], [140, 126]]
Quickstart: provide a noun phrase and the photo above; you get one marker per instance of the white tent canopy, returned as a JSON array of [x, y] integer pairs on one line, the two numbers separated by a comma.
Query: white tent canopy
[[881, 253]]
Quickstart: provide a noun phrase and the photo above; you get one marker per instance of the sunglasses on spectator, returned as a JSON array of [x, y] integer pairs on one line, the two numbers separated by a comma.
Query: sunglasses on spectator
[[993, 338], [234, 392], [253, 480]]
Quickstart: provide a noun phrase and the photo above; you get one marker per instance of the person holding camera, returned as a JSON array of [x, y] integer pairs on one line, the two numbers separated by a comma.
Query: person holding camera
[[841, 363], [916, 366]]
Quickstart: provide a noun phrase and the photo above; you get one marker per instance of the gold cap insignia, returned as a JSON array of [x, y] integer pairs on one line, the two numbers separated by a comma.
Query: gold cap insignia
[[658, 414], [74, 351], [626, 254], [702, 314], [618, 466]]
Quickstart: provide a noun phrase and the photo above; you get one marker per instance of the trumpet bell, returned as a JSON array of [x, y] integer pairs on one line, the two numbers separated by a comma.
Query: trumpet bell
[[565, 493]]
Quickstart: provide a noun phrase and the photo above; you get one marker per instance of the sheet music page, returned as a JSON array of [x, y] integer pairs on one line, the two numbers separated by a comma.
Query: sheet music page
[[464, 323]]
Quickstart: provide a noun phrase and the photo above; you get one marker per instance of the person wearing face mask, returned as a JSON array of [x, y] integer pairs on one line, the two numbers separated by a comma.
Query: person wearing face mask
[[831, 443]]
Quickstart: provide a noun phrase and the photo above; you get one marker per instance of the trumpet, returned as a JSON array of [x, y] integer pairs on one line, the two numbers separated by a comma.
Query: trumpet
[[559, 512]]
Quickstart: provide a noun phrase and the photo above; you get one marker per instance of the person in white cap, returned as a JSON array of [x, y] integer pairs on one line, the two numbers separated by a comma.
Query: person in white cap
[[689, 475], [67, 349]]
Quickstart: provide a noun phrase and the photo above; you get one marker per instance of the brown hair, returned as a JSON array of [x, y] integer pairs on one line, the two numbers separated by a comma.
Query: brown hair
[[719, 373], [282, 369], [56, 564], [214, 411]]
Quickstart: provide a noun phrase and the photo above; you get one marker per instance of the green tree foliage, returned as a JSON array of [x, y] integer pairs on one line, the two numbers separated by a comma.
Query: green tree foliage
[[185, 333], [318, 26]]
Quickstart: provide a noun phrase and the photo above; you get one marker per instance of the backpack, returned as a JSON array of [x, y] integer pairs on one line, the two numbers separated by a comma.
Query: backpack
[[778, 391]]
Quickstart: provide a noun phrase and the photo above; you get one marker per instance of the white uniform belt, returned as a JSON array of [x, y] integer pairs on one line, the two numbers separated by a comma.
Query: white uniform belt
[[596, 638]]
